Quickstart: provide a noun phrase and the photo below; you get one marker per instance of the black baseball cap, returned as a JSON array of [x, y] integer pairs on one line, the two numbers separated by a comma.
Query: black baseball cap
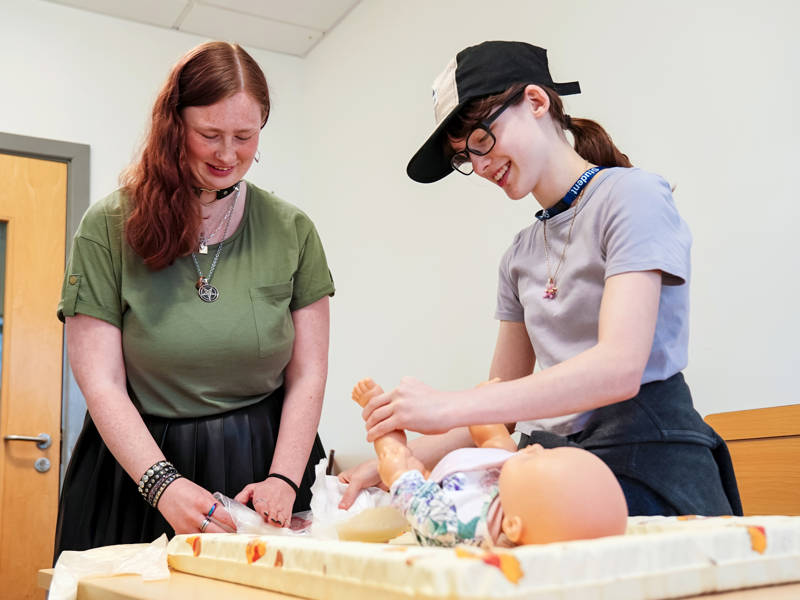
[[482, 70]]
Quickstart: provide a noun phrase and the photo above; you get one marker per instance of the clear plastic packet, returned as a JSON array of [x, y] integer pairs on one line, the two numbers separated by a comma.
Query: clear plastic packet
[[249, 521]]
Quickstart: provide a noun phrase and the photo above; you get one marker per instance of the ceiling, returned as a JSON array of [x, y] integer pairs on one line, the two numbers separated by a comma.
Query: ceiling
[[287, 26]]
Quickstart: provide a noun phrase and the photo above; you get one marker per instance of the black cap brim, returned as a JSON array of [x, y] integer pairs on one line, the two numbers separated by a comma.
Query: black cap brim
[[478, 71], [430, 163]]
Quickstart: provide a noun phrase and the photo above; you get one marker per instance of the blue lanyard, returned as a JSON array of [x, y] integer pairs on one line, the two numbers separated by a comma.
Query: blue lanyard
[[570, 196]]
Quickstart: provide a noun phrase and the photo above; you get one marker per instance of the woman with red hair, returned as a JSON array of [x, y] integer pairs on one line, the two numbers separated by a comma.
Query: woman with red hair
[[197, 323]]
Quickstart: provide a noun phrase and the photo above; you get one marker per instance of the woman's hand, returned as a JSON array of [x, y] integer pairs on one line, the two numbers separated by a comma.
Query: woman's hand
[[411, 405], [359, 477], [186, 506], [272, 498]]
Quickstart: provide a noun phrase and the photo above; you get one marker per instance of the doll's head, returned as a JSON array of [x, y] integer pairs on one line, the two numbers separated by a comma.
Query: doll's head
[[559, 494]]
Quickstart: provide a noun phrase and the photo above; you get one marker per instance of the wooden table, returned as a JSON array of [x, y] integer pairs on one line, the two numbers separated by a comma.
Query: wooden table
[[191, 587], [179, 586]]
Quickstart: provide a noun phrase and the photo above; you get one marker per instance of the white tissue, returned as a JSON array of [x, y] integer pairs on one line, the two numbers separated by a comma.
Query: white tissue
[[147, 560], [327, 492]]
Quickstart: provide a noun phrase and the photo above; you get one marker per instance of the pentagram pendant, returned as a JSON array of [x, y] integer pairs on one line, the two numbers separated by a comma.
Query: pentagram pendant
[[203, 248], [208, 293], [551, 290]]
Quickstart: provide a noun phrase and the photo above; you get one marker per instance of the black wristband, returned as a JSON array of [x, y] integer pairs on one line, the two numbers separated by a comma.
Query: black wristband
[[294, 486]]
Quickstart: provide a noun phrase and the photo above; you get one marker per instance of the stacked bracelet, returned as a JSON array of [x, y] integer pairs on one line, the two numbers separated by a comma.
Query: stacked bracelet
[[293, 485], [155, 480]]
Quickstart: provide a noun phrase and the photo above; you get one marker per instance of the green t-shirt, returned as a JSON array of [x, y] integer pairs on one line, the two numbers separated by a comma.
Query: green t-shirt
[[185, 357]]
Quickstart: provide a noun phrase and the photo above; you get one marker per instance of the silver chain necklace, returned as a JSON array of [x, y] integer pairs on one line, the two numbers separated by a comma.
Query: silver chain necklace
[[206, 240], [206, 291]]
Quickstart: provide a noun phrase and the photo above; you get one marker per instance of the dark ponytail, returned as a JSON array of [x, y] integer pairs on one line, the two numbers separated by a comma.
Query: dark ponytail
[[592, 142]]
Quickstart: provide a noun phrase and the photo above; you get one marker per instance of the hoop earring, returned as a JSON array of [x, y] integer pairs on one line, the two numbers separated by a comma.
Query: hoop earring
[[257, 157]]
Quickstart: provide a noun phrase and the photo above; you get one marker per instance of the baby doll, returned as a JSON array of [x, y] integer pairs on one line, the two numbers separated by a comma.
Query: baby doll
[[495, 495]]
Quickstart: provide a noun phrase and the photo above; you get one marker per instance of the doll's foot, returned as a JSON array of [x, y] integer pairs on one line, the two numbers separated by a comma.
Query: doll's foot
[[365, 390]]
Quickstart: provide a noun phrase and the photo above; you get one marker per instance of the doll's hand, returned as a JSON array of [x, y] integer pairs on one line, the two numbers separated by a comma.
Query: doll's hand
[[272, 498], [186, 506], [359, 477], [411, 405]]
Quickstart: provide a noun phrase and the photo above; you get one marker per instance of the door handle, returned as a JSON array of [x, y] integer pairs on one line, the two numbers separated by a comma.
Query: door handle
[[42, 440]]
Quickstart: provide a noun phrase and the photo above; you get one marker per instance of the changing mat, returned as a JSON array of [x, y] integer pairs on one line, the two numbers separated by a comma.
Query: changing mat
[[657, 558]]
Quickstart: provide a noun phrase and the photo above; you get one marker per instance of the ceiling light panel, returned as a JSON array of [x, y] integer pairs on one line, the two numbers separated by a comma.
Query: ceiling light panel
[[211, 21]]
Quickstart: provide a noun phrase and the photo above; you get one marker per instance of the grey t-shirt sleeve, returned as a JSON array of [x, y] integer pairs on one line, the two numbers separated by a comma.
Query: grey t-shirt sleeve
[[643, 230], [509, 308]]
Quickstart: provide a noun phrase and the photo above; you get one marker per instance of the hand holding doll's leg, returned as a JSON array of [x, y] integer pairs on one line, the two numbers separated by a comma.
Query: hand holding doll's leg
[[394, 456]]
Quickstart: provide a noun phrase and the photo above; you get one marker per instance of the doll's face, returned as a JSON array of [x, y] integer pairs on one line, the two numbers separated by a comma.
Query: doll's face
[[528, 453]]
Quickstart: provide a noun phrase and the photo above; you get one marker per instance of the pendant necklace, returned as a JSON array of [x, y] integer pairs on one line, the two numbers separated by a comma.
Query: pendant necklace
[[572, 198], [205, 241], [206, 291]]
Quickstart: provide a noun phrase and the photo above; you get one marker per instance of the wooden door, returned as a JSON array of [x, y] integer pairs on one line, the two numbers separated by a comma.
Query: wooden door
[[33, 213]]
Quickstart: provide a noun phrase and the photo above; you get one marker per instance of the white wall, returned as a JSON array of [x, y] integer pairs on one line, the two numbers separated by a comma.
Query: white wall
[[704, 93], [81, 77]]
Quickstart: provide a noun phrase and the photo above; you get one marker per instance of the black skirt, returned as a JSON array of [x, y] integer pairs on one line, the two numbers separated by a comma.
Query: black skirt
[[100, 504]]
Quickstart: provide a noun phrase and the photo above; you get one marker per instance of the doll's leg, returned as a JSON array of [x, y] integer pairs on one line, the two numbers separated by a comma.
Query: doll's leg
[[395, 459], [394, 455], [492, 436]]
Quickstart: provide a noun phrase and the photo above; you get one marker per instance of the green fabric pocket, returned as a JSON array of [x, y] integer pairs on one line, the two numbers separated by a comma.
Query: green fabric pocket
[[273, 319]]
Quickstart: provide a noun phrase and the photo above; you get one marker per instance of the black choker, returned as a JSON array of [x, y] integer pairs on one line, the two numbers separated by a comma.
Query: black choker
[[220, 193]]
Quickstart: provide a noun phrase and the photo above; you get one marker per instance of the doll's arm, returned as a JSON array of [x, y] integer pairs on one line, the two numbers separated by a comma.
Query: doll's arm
[[492, 436]]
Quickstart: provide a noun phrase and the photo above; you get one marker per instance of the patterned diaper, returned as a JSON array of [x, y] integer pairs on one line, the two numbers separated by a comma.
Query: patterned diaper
[[451, 512]]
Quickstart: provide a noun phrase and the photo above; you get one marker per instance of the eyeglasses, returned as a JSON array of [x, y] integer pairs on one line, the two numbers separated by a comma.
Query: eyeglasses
[[480, 140]]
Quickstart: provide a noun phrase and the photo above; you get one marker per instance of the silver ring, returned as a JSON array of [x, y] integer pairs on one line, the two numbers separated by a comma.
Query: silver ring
[[204, 525]]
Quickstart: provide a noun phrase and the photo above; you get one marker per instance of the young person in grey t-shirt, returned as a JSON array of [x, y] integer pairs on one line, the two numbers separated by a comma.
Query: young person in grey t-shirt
[[595, 290]]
